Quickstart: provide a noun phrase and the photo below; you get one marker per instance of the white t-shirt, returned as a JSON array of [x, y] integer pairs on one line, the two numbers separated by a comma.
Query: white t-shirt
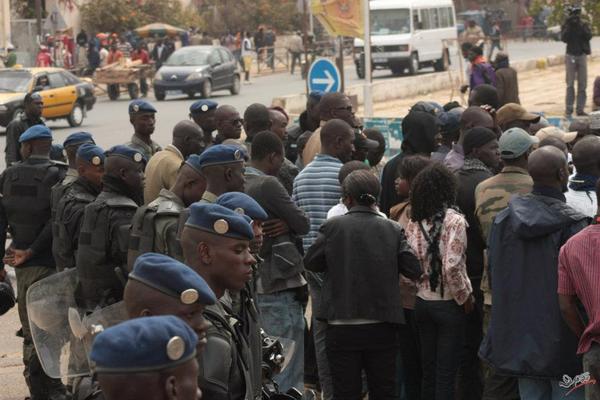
[[247, 48], [583, 201], [103, 56]]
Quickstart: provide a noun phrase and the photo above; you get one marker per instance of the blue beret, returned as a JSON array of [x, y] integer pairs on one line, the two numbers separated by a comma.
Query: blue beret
[[172, 278], [221, 154], [126, 152], [450, 120], [140, 106], [201, 106], [219, 220], [78, 138], [243, 204], [143, 345], [91, 153], [36, 132], [194, 162]]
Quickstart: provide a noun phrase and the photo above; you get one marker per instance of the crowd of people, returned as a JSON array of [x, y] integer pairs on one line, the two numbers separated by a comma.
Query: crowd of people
[[463, 267], [472, 244]]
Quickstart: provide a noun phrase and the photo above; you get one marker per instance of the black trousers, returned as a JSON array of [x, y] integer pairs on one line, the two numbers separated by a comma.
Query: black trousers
[[470, 374], [410, 352], [441, 327], [354, 348]]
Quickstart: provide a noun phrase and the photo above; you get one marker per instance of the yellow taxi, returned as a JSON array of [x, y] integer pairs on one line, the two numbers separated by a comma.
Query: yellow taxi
[[64, 94]]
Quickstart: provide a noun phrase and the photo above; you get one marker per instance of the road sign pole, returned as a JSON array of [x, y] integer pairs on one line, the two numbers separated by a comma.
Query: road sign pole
[[368, 99]]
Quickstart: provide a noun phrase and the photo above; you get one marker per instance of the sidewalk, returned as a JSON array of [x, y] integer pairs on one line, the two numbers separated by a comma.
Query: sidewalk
[[540, 90]]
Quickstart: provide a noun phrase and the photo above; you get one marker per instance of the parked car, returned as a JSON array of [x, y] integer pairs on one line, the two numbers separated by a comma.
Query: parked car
[[197, 69], [64, 94]]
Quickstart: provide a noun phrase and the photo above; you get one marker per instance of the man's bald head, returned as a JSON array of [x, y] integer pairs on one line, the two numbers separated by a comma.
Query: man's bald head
[[548, 167], [483, 95], [188, 138], [228, 121], [586, 155], [337, 139], [474, 117], [336, 105]]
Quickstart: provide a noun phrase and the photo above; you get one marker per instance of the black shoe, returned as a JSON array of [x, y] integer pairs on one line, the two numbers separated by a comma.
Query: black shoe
[[19, 333], [582, 114]]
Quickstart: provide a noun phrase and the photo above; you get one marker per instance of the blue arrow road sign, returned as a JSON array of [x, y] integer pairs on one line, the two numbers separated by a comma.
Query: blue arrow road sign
[[323, 75]]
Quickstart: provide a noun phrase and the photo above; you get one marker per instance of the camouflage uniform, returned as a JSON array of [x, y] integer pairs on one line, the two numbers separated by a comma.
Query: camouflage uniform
[[493, 194]]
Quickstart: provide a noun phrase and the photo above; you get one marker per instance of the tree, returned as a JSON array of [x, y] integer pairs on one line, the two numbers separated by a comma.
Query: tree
[[221, 16], [591, 11]]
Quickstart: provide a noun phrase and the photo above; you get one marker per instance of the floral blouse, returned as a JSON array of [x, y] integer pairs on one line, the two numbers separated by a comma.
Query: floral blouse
[[453, 247]]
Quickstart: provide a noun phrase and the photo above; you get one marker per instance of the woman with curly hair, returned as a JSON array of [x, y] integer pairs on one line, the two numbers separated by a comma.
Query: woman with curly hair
[[437, 233]]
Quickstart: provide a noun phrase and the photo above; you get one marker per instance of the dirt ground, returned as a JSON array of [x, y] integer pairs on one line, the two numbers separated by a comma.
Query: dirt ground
[[540, 90]]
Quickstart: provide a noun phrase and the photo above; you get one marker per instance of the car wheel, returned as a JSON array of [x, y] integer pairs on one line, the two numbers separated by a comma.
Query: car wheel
[[160, 96], [413, 67], [235, 88], [113, 92], [17, 114], [134, 90], [76, 116], [206, 89]]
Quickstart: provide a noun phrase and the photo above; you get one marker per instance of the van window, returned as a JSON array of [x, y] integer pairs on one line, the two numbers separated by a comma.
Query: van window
[[445, 15], [390, 22], [417, 24]]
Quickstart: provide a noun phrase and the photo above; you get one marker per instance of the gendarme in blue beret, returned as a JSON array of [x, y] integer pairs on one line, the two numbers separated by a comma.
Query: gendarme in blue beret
[[242, 204], [36, 132], [141, 106], [144, 344], [126, 152], [221, 154], [202, 106], [194, 162], [91, 153], [77, 138], [219, 220], [172, 278]]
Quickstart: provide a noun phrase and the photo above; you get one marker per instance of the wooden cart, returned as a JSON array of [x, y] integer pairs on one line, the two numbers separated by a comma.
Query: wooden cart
[[123, 76]]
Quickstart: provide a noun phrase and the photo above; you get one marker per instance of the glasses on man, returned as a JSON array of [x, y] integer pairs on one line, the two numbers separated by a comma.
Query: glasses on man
[[349, 109]]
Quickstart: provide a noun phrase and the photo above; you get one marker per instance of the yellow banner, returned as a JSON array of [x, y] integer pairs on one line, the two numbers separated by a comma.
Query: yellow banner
[[340, 17]]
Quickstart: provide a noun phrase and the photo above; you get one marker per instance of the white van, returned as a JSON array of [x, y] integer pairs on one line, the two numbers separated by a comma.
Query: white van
[[408, 34]]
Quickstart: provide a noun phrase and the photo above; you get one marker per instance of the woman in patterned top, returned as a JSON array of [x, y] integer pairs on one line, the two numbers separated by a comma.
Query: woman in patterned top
[[437, 234]]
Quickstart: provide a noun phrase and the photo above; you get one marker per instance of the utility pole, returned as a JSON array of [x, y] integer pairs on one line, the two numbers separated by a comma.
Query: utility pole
[[367, 99], [38, 17], [340, 63], [304, 71]]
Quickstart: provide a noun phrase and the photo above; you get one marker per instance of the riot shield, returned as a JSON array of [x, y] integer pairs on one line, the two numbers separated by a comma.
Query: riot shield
[[101, 319], [52, 313]]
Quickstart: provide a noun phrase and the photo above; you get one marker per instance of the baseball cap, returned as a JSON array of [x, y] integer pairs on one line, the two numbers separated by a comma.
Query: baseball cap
[[595, 120], [513, 112], [515, 142], [566, 137], [362, 142]]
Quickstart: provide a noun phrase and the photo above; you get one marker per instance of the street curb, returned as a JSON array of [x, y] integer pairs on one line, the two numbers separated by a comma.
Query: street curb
[[396, 88]]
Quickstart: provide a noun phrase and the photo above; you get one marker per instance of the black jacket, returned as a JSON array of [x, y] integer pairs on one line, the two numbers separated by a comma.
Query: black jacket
[[527, 335], [577, 35], [362, 254], [468, 179]]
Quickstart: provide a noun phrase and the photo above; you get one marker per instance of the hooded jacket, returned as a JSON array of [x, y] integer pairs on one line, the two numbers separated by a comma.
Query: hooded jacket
[[527, 336], [418, 137]]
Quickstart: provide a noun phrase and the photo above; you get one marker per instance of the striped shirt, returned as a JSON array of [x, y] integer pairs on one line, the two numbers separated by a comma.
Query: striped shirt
[[316, 190], [579, 275]]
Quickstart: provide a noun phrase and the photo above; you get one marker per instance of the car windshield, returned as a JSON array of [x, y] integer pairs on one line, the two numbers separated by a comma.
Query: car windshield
[[188, 57], [390, 22], [14, 81]]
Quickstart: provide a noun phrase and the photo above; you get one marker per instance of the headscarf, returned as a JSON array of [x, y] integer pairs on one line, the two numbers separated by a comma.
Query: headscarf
[[419, 130]]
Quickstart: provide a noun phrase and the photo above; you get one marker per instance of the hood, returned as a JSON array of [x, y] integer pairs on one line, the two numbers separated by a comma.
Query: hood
[[534, 216], [169, 71], [10, 97], [419, 130]]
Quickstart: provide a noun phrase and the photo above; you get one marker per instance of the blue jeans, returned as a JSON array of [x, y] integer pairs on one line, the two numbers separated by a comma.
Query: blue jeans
[[282, 316], [545, 389]]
